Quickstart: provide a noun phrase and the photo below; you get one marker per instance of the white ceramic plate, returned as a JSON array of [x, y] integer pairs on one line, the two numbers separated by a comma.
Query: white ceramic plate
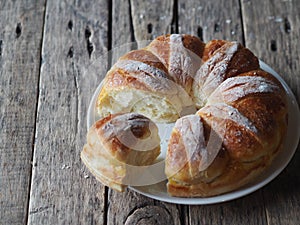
[[158, 191]]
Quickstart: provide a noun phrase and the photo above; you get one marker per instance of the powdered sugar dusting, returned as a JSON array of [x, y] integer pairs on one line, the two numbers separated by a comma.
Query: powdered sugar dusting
[[235, 88], [135, 66], [158, 83], [199, 155], [227, 112], [220, 63], [183, 63], [120, 128], [191, 129], [153, 77], [212, 73]]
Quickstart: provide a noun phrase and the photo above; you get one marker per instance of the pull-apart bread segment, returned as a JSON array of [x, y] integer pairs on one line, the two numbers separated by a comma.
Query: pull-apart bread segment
[[118, 143], [242, 125], [155, 81]]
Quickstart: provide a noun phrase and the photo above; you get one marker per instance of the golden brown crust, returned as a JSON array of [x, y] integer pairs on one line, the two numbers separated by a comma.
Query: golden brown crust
[[169, 49], [119, 78], [227, 59], [252, 139], [228, 171], [234, 176], [120, 132], [144, 56], [136, 79], [117, 144], [193, 44], [243, 61], [211, 47], [161, 48], [261, 73], [183, 169]]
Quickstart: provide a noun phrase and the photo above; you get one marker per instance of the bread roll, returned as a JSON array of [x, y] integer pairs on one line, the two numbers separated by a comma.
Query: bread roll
[[120, 143]]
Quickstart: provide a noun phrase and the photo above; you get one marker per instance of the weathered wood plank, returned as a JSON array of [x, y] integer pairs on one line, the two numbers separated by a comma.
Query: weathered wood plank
[[122, 37], [210, 19], [121, 20], [21, 28], [247, 210], [219, 20], [62, 191], [278, 46], [135, 23], [131, 207], [151, 18]]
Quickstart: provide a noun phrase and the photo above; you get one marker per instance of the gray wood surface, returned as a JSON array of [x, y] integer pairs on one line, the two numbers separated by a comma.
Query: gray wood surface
[[21, 26], [53, 54], [278, 47], [62, 190], [122, 37], [151, 18], [211, 19]]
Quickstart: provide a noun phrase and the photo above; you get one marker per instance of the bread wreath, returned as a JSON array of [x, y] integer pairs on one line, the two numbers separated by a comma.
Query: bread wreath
[[231, 116]]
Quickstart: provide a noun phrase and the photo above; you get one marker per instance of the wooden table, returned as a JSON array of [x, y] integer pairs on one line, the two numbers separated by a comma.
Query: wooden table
[[45, 49]]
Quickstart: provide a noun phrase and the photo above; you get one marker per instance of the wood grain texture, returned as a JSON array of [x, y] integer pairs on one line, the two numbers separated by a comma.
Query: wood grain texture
[[219, 20], [211, 19], [21, 28], [130, 207], [122, 41], [278, 47], [151, 18], [121, 20], [246, 210], [63, 191]]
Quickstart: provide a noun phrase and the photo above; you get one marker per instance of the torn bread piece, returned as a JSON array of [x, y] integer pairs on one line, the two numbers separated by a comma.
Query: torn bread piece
[[118, 142]]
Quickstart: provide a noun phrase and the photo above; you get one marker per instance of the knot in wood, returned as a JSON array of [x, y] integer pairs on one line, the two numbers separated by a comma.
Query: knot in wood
[[149, 215]]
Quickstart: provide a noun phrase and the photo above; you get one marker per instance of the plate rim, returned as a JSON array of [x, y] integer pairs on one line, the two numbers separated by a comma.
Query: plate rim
[[293, 110]]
